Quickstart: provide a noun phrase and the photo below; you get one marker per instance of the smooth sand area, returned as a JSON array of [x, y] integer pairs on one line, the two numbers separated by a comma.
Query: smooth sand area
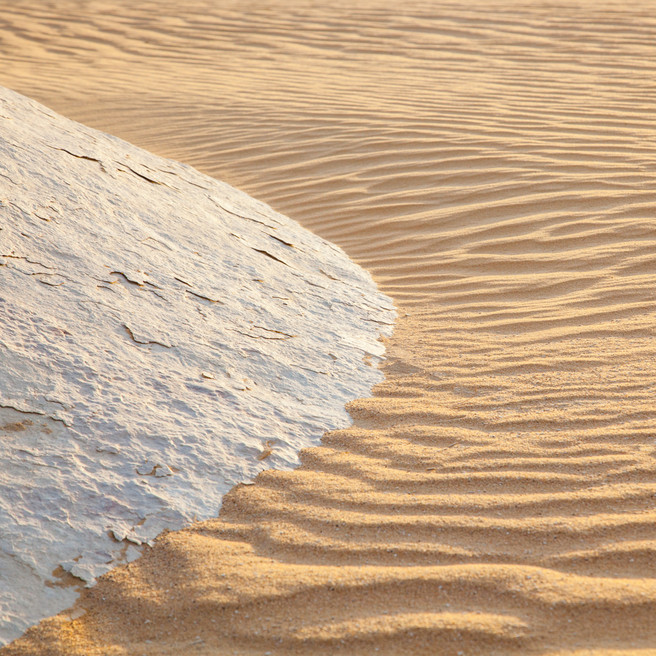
[[494, 167]]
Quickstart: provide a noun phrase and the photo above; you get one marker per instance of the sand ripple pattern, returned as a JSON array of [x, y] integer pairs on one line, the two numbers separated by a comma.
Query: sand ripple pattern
[[495, 168]]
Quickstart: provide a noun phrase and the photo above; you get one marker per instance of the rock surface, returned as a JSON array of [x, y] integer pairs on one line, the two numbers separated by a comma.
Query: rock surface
[[163, 336]]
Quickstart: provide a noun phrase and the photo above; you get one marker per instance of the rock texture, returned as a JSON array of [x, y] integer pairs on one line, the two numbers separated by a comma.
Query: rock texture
[[162, 337]]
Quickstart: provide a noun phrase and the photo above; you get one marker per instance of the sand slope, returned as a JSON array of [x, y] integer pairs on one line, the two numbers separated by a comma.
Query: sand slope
[[494, 168]]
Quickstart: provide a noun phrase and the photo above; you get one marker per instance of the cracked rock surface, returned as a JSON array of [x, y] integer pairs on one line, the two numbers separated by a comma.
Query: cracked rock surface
[[163, 336]]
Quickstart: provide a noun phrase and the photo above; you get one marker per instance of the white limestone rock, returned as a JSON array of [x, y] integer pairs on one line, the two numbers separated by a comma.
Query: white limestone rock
[[158, 331]]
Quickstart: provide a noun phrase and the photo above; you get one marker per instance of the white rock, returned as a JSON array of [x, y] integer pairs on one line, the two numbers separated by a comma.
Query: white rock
[[163, 470], [122, 275]]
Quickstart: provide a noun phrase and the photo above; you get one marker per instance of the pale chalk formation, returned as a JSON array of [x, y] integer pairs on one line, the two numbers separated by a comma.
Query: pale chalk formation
[[163, 336]]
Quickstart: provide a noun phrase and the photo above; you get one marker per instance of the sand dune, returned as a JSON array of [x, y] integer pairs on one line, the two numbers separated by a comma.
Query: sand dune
[[493, 167]]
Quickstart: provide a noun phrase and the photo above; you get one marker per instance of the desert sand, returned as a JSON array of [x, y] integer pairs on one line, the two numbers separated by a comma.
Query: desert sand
[[494, 167]]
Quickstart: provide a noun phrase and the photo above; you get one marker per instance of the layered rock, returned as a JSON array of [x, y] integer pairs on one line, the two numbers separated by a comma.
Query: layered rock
[[162, 337]]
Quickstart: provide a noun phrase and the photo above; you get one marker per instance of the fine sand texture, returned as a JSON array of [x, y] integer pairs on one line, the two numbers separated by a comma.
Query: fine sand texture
[[494, 167]]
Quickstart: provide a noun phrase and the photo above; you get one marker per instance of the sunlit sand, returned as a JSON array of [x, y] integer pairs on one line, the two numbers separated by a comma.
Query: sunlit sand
[[493, 168]]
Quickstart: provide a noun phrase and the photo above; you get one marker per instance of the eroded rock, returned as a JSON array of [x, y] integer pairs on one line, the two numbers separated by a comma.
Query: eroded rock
[[125, 279]]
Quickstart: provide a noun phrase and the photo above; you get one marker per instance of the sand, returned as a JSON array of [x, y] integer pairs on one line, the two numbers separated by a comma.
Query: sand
[[493, 167]]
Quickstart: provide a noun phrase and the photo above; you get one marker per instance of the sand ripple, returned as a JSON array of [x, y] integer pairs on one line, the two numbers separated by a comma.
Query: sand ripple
[[493, 166]]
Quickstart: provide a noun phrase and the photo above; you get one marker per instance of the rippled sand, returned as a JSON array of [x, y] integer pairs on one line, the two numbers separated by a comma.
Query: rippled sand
[[495, 168]]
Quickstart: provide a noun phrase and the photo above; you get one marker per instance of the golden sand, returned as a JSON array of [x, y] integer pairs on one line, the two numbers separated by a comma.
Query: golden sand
[[494, 167]]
